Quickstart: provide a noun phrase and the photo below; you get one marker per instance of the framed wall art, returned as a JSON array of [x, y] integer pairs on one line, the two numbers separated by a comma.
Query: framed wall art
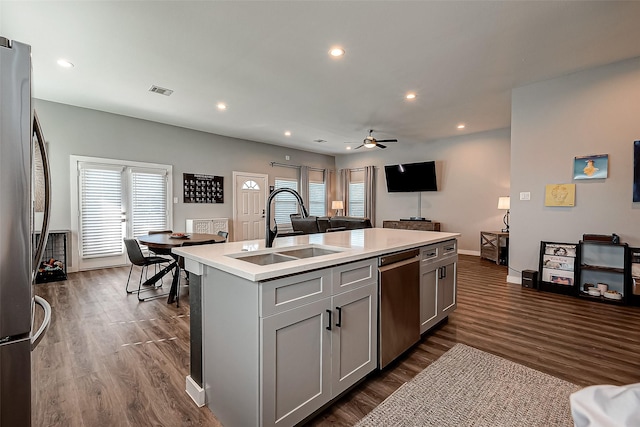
[[200, 188], [560, 195], [591, 167]]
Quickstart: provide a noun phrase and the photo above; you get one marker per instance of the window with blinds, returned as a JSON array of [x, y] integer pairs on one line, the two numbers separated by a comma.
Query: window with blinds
[[317, 199], [117, 201], [149, 201], [285, 204], [101, 226], [356, 199]]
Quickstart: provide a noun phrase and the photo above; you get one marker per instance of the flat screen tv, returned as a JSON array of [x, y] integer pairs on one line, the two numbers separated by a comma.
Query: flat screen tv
[[411, 177]]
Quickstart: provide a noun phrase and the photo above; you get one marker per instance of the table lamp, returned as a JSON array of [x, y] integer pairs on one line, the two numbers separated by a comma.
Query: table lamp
[[505, 203], [337, 205]]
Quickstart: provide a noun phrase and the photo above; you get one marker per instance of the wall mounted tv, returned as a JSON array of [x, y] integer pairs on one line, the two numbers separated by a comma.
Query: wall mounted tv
[[411, 177]]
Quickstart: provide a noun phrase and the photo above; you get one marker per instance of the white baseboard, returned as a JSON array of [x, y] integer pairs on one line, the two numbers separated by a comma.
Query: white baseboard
[[514, 279], [467, 252], [195, 392]]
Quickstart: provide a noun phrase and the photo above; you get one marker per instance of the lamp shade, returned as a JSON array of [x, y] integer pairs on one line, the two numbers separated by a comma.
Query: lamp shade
[[337, 204], [504, 203]]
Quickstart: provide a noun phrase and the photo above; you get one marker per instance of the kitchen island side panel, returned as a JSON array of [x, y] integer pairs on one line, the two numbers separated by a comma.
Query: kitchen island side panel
[[231, 347]]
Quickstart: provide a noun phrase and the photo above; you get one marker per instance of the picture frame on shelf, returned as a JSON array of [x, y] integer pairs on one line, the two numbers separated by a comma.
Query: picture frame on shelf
[[558, 267]]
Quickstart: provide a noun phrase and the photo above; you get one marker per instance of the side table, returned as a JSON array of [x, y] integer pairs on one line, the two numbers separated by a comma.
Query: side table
[[492, 244]]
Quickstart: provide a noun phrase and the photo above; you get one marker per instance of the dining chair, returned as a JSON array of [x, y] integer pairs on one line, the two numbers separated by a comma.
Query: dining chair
[[223, 234], [137, 258]]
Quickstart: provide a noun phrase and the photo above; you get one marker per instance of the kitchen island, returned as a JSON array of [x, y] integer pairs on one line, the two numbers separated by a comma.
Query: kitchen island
[[278, 333]]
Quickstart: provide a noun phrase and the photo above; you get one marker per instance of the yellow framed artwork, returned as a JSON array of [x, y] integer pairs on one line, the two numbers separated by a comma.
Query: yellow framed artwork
[[560, 195]]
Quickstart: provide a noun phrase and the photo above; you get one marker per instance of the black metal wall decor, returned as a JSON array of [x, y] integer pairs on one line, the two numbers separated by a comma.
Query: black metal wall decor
[[200, 188]]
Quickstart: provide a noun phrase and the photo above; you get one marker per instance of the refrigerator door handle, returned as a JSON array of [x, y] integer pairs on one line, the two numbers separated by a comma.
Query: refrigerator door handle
[[44, 234], [37, 337]]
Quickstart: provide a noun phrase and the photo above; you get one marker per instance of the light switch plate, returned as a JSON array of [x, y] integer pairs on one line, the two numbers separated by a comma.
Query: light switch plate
[[525, 195], [175, 200]]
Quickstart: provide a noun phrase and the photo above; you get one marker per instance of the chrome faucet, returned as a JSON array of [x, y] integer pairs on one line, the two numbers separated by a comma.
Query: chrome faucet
[[270, 234]]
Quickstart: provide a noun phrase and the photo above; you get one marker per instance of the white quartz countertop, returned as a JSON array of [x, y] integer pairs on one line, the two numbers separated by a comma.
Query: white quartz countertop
[[352, 245]]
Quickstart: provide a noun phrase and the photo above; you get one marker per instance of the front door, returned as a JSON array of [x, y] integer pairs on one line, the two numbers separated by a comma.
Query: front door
[[249, 195]]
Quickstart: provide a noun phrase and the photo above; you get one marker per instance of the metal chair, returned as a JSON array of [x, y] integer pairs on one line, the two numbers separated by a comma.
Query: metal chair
[[137, 258], [223, 234]]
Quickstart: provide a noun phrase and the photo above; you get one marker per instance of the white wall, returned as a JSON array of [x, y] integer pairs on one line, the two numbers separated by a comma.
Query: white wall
[[591, 112], [472, 172], [84, 132]]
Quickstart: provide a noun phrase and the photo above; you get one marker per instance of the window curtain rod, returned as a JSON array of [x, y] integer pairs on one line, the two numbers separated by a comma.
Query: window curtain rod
[[284, 165]]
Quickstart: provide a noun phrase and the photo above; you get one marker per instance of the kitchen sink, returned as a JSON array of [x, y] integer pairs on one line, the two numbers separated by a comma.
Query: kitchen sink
[[266, 259], [285, 254], [308, 252]]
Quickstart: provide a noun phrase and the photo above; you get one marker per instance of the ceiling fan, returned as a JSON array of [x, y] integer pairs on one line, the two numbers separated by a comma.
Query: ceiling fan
[[370, 141]]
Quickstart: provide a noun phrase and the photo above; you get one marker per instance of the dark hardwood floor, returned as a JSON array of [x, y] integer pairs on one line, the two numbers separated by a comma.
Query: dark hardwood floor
[[108, 360]]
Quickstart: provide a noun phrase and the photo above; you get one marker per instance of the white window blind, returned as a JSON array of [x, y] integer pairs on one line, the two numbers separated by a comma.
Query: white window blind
[[317, 199], [101, 226], [356, 199], [149, 201], [285, 203]]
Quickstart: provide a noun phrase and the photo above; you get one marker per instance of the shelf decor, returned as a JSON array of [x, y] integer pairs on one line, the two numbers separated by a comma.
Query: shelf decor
[[560, 195], [591, 167], [200, 188], [558, 267]]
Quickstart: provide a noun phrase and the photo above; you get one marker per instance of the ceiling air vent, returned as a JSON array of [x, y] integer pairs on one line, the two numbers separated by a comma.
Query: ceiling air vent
[[160, 90]]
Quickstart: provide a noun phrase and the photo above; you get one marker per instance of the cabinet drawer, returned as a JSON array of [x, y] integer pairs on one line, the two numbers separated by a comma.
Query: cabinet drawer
[[354, 275], [429, 254], [449, 248], [290, 292]]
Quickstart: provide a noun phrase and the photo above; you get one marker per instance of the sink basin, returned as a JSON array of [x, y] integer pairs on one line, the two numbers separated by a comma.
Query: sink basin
[[308, 252], [285, 254], [266, 259]]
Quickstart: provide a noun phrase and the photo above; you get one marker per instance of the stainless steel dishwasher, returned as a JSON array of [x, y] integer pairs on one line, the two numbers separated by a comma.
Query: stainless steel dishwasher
[[399, 304]]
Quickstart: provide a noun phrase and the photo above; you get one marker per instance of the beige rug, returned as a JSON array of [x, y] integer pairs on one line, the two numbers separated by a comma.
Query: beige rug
[[468, 387]]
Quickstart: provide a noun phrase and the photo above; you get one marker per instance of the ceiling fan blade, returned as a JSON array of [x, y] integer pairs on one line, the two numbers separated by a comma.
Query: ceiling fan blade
[[386, 140], [359, 147], [380, 145]]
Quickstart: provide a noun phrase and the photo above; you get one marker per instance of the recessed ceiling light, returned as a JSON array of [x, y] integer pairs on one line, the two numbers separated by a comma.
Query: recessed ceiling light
[[287, 133], [336, 52], [348, 148], [64, 63], [410, 95], [461, 126], [222, 106]]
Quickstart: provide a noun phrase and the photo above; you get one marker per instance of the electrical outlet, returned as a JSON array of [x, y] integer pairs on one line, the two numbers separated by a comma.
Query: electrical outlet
[[287, 158], [175, 200], [525, 195]]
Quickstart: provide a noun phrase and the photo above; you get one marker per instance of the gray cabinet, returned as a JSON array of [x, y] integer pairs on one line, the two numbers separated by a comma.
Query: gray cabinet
[[438, 281], [295, 362], [313, 351], [354, 339]]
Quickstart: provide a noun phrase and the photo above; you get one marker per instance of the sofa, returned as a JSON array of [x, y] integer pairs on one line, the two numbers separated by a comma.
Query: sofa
[[315, 224]]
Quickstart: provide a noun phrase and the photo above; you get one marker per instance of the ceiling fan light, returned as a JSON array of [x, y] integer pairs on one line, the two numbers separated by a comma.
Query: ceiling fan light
[[369, 144]]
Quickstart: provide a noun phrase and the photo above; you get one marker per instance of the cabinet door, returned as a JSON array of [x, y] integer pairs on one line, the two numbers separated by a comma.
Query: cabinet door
[[428, 297], [354, 337], [295, 363], [447, 282]]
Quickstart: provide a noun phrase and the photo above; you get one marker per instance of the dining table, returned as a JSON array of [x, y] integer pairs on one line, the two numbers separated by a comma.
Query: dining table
[[162, 243]]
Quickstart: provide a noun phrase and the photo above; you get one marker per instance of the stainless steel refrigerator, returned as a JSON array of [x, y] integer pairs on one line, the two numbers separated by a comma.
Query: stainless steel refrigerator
[[22, 157]]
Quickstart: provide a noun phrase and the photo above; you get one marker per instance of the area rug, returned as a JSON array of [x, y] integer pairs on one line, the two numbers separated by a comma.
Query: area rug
[[468, 387]]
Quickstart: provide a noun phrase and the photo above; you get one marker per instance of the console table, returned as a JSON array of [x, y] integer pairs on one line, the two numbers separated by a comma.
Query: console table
[[412, 225], [491, 244]]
